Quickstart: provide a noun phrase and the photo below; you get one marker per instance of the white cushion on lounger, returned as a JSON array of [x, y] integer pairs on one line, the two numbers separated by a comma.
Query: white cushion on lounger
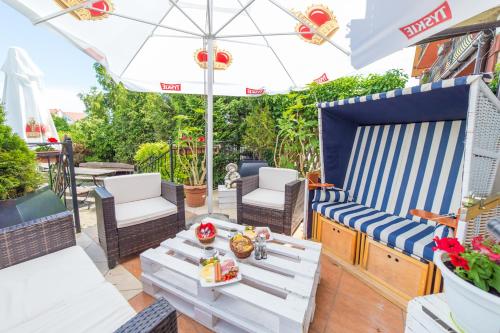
[[262, 197], [134, 187], [102, 309], [135, 212], [31, 288], [276, 178]]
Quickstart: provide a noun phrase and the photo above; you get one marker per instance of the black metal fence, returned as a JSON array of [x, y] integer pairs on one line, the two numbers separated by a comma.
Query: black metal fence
[[56, 159], [224, 153]]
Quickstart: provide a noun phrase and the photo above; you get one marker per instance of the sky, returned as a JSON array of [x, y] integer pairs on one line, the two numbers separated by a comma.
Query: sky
[[68, 71]]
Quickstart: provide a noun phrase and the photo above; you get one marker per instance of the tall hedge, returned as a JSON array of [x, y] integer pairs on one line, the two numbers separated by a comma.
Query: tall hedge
[[18, 174]]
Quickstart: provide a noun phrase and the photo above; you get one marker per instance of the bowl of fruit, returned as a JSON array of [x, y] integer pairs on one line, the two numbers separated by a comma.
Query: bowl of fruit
[[205, 232], [241, 246]]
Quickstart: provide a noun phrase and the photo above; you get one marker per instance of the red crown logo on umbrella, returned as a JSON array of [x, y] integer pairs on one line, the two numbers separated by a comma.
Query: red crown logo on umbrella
[[223, 58], [34, 129], [96, 12], [320, 18]]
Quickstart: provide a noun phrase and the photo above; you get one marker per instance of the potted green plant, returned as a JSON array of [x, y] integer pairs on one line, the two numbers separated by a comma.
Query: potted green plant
[[471, 282], [18, 172], [191, 159]]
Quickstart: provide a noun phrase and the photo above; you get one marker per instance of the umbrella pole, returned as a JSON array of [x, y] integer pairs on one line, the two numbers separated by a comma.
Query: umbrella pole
[[210, 122]]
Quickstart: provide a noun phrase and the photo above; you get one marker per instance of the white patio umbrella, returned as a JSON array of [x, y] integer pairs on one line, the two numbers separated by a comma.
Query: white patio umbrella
[[25, 105], [225, 47]]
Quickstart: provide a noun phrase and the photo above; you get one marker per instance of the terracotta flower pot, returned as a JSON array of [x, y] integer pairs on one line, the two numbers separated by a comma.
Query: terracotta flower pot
[[472, 308], [46, 156], [195, 195]]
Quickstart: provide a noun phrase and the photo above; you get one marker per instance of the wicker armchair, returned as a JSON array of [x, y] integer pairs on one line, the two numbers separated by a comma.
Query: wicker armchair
[[120, 238], [36, 238], [273, 198]]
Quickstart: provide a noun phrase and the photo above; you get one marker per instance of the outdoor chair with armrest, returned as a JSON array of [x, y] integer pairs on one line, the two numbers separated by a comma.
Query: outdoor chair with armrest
[[273, 198], [137, 212], [30, 257]]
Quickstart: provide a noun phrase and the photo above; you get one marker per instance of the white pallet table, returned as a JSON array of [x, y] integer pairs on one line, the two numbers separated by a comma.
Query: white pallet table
[[273, 296], [429, 314]]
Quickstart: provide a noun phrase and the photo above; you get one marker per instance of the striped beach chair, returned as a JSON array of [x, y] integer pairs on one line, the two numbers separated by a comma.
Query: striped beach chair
[[405, 160]]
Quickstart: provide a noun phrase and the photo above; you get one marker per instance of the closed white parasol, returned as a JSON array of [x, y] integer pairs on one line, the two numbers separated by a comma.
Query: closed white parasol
[[24, 100]]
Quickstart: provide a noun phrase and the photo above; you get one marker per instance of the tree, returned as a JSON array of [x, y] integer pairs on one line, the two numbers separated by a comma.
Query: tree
[[18, 173], [118, 120], [297, 144], [60, 123], [260, 133]]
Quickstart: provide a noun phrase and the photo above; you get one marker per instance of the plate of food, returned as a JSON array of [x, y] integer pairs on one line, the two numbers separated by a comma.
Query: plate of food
[[205, 232], [252, 232], [218, 271]]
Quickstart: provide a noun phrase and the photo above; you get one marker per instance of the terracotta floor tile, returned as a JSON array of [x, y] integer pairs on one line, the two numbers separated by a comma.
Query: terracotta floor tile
[[141, 301], [330, 273], [357, 308], [133, 265], [324, 303], [187, 325]]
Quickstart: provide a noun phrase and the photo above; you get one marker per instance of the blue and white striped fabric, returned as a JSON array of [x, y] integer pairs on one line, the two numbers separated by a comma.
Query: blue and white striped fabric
[[331, 195], [410, 237], [395, 168], [403, 91]]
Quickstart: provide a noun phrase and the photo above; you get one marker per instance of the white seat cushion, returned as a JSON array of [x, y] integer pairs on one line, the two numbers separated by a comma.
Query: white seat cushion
[[31, 288], [102, 309], [134, 187], [276, 178], [262, 197], [135, 212]]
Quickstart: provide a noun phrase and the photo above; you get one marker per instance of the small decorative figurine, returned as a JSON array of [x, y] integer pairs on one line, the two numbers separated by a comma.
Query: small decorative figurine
[[231, 176]]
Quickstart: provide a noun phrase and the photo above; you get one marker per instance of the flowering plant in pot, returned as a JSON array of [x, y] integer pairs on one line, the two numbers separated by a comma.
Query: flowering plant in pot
[[191, 159], [471, 282]]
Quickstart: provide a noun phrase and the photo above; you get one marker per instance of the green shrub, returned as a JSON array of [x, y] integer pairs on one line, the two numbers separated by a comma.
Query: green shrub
[[18, 173], [149, 150], [260, 133], [495, 80], [153, 150]]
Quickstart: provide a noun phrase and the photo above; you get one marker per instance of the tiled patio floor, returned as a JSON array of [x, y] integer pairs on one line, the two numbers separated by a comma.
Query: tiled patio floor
[[344, 304]]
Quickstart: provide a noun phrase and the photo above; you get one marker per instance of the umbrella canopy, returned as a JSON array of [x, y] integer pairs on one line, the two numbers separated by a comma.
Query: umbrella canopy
[[261, 45], [239, 47], [25, 106]]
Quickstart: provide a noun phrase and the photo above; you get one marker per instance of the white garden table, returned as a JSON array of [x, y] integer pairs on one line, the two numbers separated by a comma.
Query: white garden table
[[276, 295]]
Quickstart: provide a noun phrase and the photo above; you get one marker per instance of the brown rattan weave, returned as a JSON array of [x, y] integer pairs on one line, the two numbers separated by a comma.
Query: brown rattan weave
[[121, 242], [281, 221], [36, 238], [159, 317]]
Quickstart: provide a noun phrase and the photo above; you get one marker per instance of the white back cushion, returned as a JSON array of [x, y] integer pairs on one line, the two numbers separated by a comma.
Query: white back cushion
[[134, 187], [276, 178]]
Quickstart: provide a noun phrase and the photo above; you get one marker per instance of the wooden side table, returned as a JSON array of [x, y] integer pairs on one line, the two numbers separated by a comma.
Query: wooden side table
[[227, 197]]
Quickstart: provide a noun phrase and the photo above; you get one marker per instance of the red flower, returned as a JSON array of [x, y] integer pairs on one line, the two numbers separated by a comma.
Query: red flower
[[52, 140], [458, 261], [477, 244], [201, 139], [184, 138], [449, 245]]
